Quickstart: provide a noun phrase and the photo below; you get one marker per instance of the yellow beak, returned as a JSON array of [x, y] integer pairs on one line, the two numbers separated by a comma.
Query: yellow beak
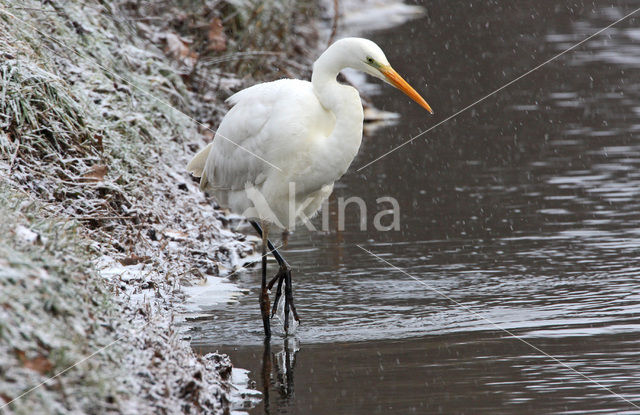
[[396, 80]]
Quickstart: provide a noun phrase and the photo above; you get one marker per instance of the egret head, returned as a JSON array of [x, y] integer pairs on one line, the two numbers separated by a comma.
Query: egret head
[[364, 55]]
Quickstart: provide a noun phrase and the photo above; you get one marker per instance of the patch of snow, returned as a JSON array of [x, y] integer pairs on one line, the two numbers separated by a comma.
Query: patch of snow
[[367, 16], [26, 234], [214, 290], [176, 235], [242, 394], [111, 269]]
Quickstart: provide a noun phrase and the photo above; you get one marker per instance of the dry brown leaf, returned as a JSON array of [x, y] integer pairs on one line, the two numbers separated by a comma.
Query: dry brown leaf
[[39, 363], [96, 173], [133, 260], [178, 49], [208, 136], [99, 142], [215, 35], [207, 133]]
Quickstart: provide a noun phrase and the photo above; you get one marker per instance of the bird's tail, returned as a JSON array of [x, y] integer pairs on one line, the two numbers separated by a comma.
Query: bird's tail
[[197, 164]]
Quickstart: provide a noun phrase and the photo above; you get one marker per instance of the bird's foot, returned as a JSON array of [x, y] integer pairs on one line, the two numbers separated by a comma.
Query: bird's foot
[[283, 277]]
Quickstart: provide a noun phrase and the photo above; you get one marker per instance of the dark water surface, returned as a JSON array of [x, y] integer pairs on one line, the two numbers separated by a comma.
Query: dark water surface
[[523, 211]]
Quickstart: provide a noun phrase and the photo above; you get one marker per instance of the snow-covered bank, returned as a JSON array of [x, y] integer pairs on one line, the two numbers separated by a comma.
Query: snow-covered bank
[[55, 313], [101, 229]]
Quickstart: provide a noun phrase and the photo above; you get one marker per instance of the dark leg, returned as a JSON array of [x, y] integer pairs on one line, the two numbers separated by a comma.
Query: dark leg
[[266, 374], [283, 277], [273, 250], [289, 354], [278, 292], [264, 294], [288, 300]]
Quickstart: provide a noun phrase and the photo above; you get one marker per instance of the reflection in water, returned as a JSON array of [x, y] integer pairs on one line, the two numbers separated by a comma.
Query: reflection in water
[[478, 372], [277, 373], [525, 209]]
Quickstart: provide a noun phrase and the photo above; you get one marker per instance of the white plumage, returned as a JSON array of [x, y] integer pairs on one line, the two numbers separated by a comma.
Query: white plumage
[[283, 144], [289, 134]]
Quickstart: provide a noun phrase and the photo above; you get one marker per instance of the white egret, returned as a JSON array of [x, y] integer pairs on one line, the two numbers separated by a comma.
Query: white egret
[[291, 134]]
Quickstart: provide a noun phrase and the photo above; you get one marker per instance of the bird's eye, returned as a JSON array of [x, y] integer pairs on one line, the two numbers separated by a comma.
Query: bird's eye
[[370, 59]]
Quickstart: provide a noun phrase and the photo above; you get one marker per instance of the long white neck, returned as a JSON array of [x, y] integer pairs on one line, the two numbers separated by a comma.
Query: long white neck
[[343, 101]]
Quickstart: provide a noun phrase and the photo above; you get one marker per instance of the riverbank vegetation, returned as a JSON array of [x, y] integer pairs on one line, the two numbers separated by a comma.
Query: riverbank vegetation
[[101, 105]]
